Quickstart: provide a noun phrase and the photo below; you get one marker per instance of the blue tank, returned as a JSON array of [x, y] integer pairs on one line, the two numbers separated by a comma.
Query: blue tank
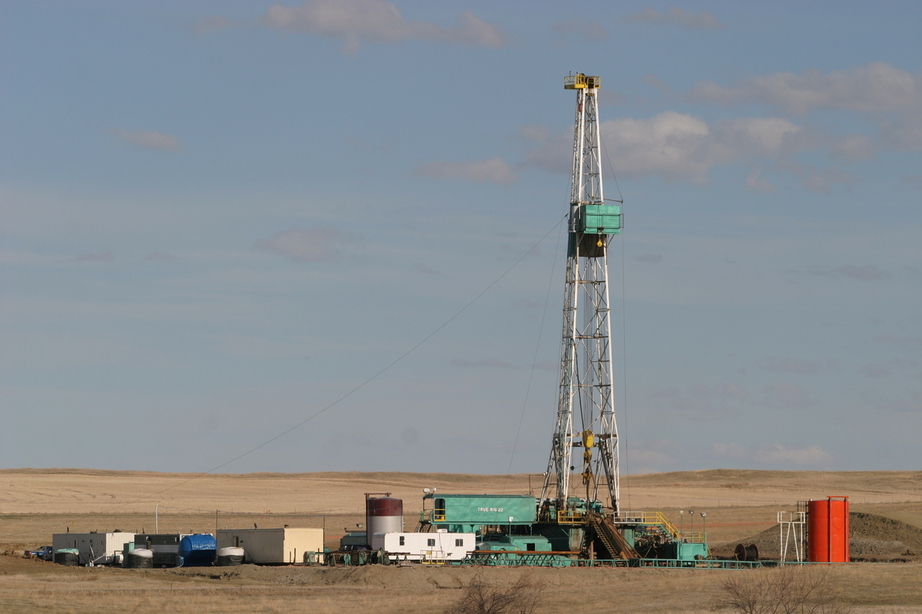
[[197, 550]]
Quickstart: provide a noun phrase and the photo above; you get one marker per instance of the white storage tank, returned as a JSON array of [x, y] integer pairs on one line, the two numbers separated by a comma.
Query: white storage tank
[[138, 558], [229, 556], [382, 515]]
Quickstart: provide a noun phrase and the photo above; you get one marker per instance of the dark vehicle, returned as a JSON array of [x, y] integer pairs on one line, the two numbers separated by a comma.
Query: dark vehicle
[[46, 553]]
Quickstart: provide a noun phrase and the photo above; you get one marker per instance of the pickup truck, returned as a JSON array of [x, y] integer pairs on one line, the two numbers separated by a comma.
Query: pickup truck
[[46, 553]]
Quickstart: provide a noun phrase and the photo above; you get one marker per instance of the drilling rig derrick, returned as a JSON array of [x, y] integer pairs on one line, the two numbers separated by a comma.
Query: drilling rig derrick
[[574, 489]]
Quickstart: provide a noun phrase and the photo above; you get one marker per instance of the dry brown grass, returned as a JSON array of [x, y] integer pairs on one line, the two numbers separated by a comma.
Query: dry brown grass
[[63, 491], [36, 503], [893, 589]]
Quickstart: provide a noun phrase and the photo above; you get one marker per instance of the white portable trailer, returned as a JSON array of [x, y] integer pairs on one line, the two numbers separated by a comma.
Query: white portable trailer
[[285, 546], [440, 546], [95, 548]]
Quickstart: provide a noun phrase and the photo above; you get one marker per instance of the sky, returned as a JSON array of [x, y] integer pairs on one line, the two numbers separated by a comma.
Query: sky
[[241, 236]]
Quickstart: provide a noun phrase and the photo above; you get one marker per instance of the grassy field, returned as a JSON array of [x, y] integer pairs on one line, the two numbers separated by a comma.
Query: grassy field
[[34, 504]]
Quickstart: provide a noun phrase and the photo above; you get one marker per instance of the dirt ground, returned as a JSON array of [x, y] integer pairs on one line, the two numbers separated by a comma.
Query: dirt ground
[[740, 507]]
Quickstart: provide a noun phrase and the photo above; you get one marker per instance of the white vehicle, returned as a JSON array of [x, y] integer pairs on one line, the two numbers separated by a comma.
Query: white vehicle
[[437, 547]]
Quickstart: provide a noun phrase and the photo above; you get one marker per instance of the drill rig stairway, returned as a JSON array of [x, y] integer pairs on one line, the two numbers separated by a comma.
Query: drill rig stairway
[[611, 538]]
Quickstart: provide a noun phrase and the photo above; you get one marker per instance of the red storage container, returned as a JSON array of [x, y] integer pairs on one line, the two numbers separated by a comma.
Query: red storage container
[[828, 530]]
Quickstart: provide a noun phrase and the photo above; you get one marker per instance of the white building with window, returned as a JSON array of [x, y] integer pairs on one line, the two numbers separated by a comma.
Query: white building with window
[[95, 548], [436, 547]]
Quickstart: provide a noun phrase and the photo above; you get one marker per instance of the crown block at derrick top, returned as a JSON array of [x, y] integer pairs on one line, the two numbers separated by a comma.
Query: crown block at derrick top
[[581, 81]]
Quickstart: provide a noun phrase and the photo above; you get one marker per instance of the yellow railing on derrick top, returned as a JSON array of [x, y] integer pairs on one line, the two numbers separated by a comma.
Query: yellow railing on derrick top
[[580, 81]]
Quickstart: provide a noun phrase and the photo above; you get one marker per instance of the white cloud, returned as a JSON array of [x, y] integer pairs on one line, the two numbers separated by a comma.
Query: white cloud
[[677, 17], [157, 141], [817, 183], [904, 132], [580, 28], [760, 136], [305, 245], [654, 82], [820, 180], [672, 145], [779, 454], [377, 21], [494, 170], [757, 183], [214, 23], [681, 147], [889, 96], [871, 88], [855, 147]]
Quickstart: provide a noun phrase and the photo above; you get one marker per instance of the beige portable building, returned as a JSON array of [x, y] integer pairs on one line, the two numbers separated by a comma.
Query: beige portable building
[[284, 546]]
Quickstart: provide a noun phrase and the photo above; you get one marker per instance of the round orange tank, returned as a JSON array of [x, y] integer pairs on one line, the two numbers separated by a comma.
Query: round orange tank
[[827, 524]]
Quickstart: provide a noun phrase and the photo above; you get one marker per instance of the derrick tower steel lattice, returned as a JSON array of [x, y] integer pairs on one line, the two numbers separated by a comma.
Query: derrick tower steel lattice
[[585, 408]]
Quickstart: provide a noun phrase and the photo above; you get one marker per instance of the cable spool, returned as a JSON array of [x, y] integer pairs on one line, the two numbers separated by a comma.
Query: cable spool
[[746, 553]]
